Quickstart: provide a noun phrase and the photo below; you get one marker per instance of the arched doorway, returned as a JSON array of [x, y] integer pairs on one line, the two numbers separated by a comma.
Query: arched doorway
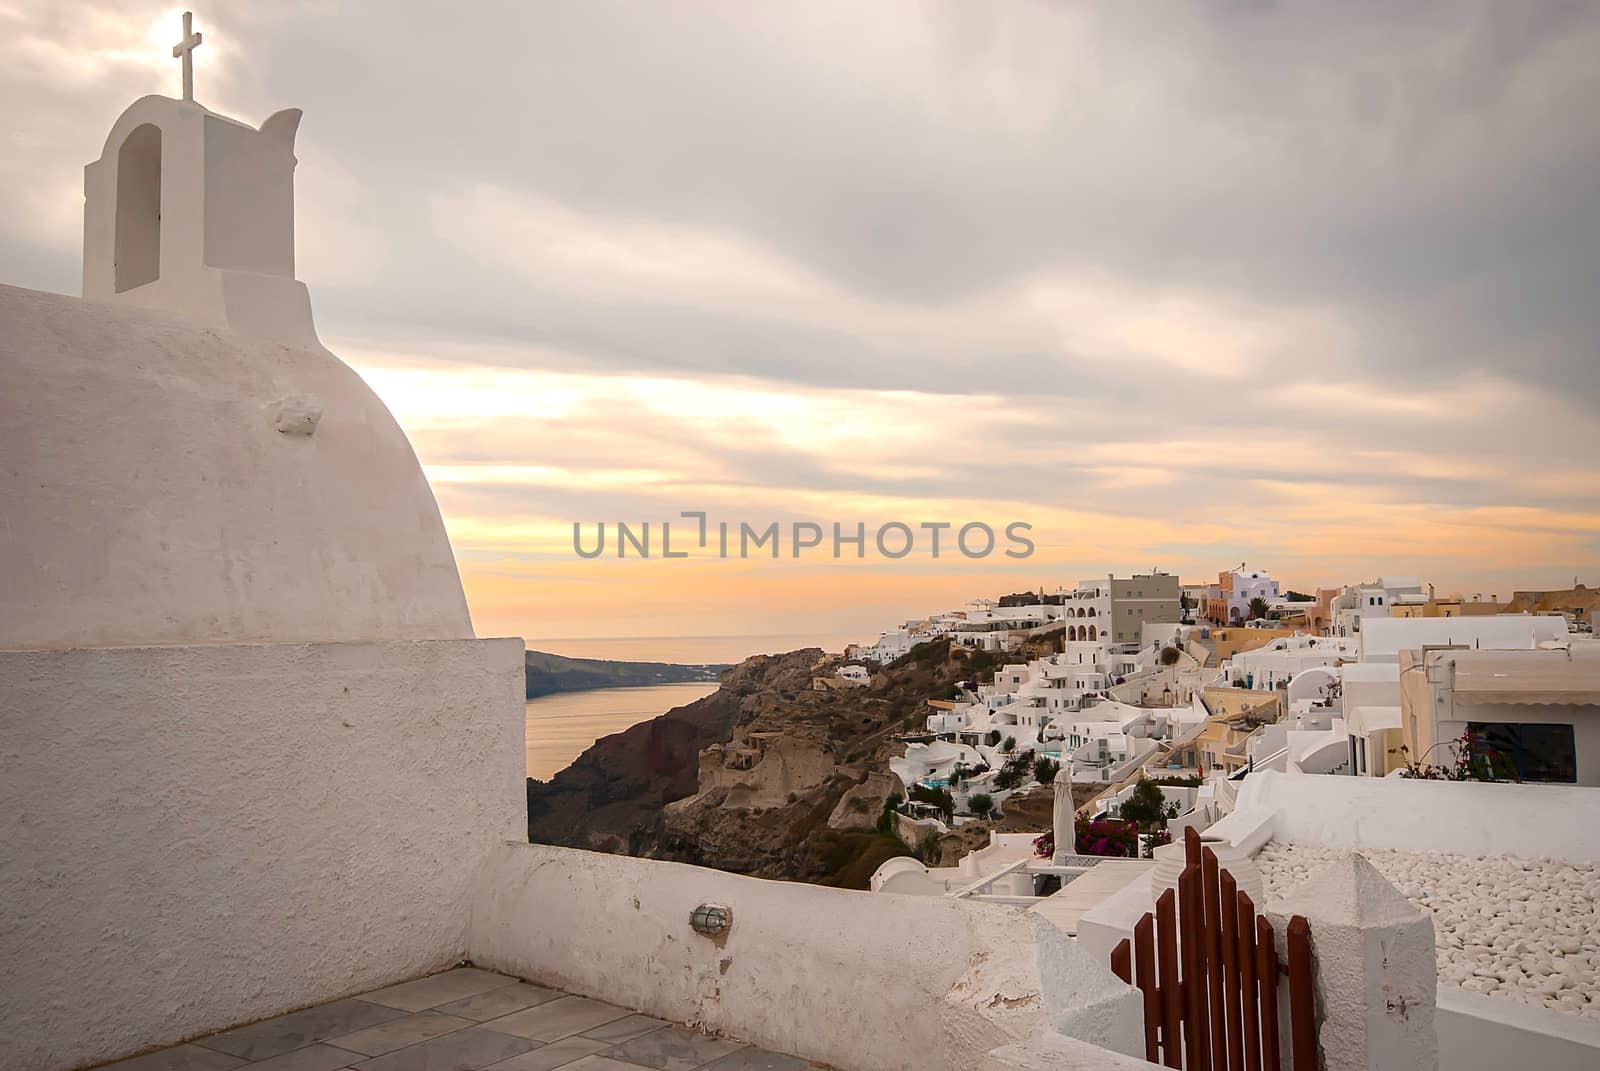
[[138, 227]]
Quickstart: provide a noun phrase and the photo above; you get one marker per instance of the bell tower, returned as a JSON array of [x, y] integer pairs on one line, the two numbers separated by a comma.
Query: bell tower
[[193, 212]]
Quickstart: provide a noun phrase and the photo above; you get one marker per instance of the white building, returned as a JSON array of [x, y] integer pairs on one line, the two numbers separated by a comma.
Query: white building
[[1383, 638], [1279, 662], [1229, 599], [1115, 610], [1375, 599], [997, 628]]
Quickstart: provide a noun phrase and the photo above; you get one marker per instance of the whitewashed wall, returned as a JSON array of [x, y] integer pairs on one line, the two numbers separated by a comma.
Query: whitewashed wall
[[1484, 1033], [196, 837], [1469, 817], [871, 982]]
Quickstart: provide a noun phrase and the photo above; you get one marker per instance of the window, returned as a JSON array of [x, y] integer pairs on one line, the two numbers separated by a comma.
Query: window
[[1518, 751]]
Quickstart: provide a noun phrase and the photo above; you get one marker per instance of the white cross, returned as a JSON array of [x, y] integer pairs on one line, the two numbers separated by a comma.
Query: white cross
[[185, 48]]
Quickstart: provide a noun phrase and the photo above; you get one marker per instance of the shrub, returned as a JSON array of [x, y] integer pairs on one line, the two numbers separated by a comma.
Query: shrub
[[1186, 781], [994, 737], [981, 804], [1473, 760], [1152, 841], [1108, 836], [1045, 769], [1169, 655], [1010, 744]]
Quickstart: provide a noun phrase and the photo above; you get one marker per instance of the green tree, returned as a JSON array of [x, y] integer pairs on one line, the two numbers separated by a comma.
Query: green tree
[[1258, 607], [1010, 744], [1169, 655], [1146, 805], [981, 804], [1045, 769], [994, 737]]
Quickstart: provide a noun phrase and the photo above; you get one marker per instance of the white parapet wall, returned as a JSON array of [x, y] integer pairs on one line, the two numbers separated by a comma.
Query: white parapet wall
[[857, 980], [1483, 1033], [1467, 817], [196, 837]]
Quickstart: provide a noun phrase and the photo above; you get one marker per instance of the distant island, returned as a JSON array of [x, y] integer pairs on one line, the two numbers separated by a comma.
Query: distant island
[[548, 674]]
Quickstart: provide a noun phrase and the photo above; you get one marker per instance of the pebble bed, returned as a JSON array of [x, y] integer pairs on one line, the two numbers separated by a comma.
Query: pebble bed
[[1524, 929]]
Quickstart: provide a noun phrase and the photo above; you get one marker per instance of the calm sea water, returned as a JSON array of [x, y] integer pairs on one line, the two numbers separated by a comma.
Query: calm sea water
[[561, 726]]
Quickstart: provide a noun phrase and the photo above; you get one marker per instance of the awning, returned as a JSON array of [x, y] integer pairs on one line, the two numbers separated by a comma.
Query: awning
[[1527, 677]]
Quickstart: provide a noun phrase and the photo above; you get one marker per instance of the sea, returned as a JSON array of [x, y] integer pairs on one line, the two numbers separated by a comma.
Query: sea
[[562, 726]]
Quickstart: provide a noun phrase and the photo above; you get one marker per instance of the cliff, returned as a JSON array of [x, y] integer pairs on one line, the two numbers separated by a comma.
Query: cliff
[[770, 775]]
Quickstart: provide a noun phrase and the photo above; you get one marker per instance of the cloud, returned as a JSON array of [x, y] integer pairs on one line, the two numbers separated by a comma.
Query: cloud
[[1297, 282]]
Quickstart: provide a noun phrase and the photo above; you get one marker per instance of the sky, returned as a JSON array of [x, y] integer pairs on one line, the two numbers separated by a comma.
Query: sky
[[1313, 287]]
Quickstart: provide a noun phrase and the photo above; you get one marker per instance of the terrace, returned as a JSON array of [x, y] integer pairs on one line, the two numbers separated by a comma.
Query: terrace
[[463, 1019]]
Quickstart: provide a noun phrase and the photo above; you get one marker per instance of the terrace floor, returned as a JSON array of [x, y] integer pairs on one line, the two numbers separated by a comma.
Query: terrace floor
[[463, 1020]]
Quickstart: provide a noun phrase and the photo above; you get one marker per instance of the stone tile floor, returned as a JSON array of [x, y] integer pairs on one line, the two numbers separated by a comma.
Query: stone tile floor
[[462, 1020]]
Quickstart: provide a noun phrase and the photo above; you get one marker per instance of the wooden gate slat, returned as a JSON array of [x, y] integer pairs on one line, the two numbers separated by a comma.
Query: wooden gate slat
[[1267, 977], [1144, 959], [1248, 995], [1228, 914], [1122, 961], [1171, 988], [1214, 1000], [1196, 1043], [1302, 1014]]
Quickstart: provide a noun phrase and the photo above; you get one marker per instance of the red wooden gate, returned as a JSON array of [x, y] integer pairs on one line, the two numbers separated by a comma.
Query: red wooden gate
[[1208, 967]]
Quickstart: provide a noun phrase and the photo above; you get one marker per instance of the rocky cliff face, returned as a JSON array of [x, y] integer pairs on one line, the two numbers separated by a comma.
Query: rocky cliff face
[[768, 776]]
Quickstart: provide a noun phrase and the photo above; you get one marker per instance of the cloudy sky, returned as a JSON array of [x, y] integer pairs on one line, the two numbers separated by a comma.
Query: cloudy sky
[[1310, 286]]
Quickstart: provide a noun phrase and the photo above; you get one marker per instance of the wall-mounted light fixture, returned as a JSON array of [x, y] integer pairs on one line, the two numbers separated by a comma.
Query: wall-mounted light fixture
[[713, 920]]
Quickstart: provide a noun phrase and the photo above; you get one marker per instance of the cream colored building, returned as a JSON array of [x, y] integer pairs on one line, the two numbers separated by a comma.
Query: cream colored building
[[1537, 710]]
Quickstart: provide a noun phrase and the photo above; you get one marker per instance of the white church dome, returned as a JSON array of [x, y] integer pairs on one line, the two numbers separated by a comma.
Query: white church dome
[[158, 485]]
